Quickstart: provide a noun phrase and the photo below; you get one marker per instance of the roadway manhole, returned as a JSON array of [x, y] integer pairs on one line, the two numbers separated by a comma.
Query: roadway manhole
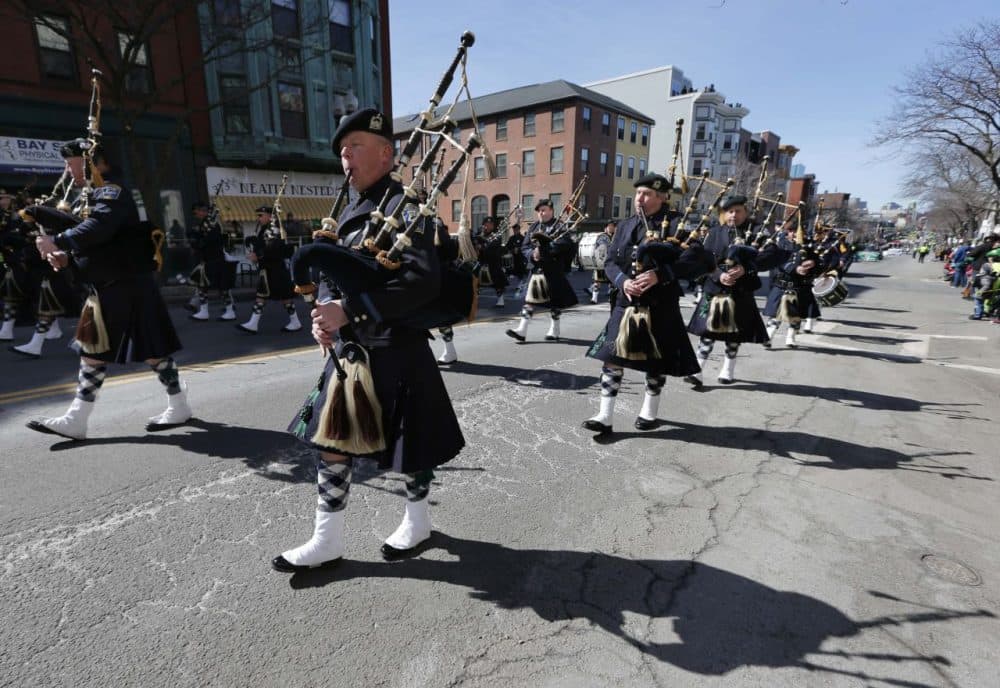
[[950, 570]]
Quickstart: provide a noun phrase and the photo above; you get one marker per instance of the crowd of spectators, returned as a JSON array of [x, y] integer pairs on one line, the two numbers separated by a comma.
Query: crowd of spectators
[[974, 267]]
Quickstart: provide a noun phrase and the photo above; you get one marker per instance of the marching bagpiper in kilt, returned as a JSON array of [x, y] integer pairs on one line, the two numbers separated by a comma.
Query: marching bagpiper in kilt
[[726, 310], [269, 252], [645, 331], [549, 249], [790, 299], [216, 270], [392, 397], [124, 318]]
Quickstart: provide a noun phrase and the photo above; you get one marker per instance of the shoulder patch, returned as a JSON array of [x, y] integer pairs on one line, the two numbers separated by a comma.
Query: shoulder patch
[[108, 192]]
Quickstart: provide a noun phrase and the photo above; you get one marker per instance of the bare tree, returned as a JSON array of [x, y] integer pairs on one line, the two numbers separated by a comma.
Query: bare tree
[[952, 101], [953, 188]]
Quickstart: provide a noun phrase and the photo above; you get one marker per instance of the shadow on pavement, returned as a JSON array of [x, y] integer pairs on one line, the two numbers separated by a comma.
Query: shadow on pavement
[[722, 621], [856, 398], [870, 339], [869, 325], [874, 308], [541, 377], [836, 454]]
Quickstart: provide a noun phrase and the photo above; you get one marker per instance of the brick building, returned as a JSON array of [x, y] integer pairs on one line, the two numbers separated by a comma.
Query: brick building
[[544, 139]]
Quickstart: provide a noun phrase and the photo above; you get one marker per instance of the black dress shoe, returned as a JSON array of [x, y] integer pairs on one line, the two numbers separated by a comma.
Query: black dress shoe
[[515, 335], [646, 424], [550, 338], [157, 427], [726, 380], [390, 553], [694, 381], [246, 329], [279, 563], [597, 426]]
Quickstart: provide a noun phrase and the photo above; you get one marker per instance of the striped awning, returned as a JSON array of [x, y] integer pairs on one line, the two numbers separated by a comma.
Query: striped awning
[[244, 208]]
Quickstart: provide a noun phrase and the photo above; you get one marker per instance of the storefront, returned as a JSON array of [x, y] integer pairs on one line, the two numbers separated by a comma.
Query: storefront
[[306, 200], [28, 163]]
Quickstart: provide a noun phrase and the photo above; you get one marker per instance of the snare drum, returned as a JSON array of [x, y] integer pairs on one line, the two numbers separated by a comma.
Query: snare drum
[[829, 290], [593, 250]]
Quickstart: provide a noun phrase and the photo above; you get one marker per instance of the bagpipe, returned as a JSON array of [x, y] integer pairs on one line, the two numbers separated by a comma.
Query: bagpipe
[[382, 254]]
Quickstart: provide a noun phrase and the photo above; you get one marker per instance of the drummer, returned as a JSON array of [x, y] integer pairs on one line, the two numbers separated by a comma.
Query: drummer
[[599, 276]]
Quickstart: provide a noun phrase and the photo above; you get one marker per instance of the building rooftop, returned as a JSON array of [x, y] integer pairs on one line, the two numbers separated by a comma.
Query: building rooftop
[[524, 97]]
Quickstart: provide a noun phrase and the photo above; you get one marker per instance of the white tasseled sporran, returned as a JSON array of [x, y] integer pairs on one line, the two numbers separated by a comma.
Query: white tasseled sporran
[[362, 433], [538, 290], [91, 332], [722, 315], [635, 340], [788, 309]]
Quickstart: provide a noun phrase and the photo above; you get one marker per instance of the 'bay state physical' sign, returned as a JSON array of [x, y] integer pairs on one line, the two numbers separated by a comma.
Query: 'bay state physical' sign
[[30, 156]]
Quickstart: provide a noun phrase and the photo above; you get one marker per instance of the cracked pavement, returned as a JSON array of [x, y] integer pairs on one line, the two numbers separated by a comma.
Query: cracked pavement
[[768, 533]]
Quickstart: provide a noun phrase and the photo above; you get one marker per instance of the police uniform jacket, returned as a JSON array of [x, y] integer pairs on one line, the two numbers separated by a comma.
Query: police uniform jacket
[[421, 429], [677, 356], [114, 254], [749, 325]]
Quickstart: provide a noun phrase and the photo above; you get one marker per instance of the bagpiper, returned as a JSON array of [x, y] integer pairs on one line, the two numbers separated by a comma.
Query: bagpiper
[[549, 248], [645, 331], [216, 269], [269, 252]]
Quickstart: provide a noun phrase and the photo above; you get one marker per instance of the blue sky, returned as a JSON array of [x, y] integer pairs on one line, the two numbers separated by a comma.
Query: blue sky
[[817, 72]]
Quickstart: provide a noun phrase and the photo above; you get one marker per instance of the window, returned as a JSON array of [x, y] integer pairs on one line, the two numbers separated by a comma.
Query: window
[[727, 142], [529, 124], [341, 26], [582, 203], [478, 210], [139, 78], [586, 117], [642, 167], [479, 165], [556, 200], [528, 163], [289, 59], [604, 164], [616, 207], [285, 18], [602, 208], [619, 163], [700, 133], [558, 120], [645, 134], [702, 112], [293, 110], [528, 203], [235, 104], [621, 128], [501, 207], [501, 161], [605, 123], [696, 168], [502, 129], [556, 160], [631, 167], [584, 159], [633, 132], [457, 135], [53, 47], [456, 211]]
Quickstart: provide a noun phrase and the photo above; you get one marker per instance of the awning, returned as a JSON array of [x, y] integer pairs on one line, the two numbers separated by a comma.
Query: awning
[[244, 208]]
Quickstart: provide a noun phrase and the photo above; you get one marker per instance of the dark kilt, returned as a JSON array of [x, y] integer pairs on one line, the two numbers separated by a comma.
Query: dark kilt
[[668, 330], [215, 274], [497, 275], [420, 424], [274, 283], [808, 306], [748, 321], [561, 294], [137, 321]]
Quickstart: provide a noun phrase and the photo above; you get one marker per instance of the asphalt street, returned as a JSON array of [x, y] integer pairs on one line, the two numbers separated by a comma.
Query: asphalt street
[[828, 520]]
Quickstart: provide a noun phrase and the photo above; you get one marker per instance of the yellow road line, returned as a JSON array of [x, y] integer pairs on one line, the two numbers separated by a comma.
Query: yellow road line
[[66, 387]]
